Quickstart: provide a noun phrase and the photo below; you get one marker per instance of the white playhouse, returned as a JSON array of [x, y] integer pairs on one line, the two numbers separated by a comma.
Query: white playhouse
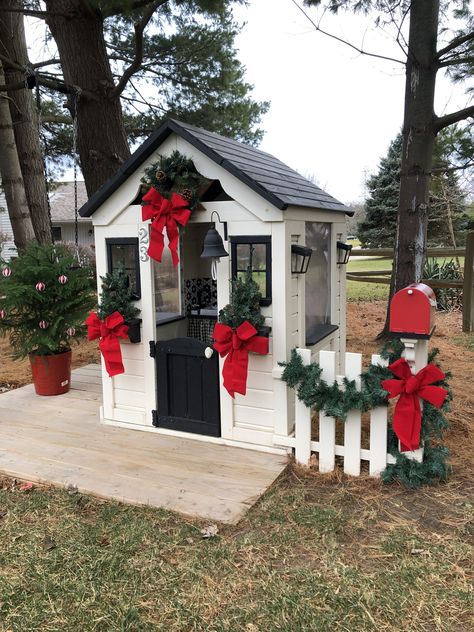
[[265, 212]]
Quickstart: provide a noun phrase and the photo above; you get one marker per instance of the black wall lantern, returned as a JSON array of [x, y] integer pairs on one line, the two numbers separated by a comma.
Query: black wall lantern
[[300, 258], [213, 246], [343, 252]]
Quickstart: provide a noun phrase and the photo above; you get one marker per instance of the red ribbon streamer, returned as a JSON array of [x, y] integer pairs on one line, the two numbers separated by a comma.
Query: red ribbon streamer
[[235, 345], [108, 331], [407, 414], [164, 213]]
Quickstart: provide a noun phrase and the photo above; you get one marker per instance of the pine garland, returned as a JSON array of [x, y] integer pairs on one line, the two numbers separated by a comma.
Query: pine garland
[[176, 173], [314, 392]]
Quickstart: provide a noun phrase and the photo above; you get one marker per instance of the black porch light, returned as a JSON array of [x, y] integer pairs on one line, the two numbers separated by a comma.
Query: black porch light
[[300, 258], [213, 247], [343, 252]]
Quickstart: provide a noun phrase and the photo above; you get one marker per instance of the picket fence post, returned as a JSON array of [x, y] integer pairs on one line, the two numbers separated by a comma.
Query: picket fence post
[[303, 421], [327, 425]]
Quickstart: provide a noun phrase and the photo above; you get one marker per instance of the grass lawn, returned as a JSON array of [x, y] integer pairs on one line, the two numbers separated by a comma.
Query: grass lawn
[[360, 291], [314, 554]]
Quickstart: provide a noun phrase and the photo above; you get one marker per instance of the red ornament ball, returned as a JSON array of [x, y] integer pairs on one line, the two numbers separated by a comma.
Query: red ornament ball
[[43, 324], [6, 272], [62, 279], [40, 286], [71, 331], [2, 313]]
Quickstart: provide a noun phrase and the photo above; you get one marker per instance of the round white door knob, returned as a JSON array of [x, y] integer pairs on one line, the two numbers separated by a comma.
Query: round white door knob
[[208, 351]]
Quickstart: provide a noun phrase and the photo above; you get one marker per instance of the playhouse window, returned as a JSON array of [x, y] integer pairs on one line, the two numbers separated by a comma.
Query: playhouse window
[[122, 252], [253, 253], [318, 282]]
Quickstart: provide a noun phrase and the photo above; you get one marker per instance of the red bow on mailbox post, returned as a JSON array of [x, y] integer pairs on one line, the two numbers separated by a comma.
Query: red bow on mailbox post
[[108, 331], [164, 213], [234, 345], [407, 414]]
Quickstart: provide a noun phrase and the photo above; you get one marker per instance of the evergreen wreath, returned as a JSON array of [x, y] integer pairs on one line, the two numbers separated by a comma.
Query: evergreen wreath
[[176, 174], [314, 392]]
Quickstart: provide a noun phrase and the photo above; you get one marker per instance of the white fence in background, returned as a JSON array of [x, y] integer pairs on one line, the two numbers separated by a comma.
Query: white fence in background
[[351, 450]]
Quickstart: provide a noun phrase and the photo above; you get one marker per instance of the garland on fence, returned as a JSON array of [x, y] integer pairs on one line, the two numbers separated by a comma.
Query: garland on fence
[[314, 392]]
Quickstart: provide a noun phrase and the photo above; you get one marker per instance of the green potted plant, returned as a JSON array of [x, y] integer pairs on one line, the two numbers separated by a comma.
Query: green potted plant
[[117, 296], [244, 305], [44, 298]]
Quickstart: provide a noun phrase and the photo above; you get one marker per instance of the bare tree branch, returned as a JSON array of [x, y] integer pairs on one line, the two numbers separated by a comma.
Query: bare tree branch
[[339, 39], [456, 61], [457, 41], [48, 62], [118, 7], [135, 66], [449, 119]]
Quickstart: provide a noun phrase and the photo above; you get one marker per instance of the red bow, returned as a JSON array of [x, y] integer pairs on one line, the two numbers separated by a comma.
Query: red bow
[[236, 344], [407, 414], [167, 213], [108, 331]]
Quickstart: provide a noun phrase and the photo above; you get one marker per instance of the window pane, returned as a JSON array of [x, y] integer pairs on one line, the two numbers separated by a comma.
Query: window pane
[[259, 277], [167, 287], [124, 256], [318, 277]]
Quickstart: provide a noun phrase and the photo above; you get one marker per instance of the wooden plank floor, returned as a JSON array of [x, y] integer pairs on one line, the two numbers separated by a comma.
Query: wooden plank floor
[[59, 440]]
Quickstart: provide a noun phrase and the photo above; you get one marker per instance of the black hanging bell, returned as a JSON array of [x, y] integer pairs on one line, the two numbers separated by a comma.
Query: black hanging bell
[[213, 245]]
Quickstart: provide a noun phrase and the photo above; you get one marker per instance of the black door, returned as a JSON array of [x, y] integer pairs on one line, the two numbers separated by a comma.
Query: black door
[[187, 387]]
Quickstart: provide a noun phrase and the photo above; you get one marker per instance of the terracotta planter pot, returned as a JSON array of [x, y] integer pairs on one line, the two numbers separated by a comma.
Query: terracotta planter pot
[[51, 373]]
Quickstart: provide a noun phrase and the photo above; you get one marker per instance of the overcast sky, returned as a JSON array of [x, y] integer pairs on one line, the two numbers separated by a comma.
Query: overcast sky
[[333, 111]]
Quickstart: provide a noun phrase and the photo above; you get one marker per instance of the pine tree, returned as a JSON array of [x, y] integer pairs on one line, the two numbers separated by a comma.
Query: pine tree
[[44, 300], [116, 296], [378, 228], [448, 222], [244, 303]]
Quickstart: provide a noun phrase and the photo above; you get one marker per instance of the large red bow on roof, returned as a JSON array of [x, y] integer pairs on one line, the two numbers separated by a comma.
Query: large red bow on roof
[[108, 331], [164, 213], [407, 414], [235, 344]]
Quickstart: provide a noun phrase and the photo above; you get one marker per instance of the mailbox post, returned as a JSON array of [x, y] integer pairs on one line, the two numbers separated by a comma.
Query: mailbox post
[[412, 312]]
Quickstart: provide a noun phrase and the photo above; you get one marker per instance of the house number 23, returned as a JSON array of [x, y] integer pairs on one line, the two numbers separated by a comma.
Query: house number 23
[[144, 241]]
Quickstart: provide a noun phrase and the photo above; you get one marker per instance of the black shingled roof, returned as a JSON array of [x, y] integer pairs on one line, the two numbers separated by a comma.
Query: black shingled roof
[[262, 172]]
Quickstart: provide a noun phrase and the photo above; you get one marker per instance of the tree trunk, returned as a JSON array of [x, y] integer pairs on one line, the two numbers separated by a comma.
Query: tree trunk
[[101, 138], [25, 121], [11, 177], [418, 143]]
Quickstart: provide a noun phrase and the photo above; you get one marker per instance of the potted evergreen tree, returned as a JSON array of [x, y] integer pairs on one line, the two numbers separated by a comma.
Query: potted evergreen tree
[[44, 298]]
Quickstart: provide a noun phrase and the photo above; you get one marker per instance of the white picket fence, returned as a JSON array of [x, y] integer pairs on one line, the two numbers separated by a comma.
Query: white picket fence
[[327, 449]]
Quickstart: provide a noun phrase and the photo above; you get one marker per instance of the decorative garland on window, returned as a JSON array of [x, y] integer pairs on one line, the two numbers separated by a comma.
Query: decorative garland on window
[[314, 392]]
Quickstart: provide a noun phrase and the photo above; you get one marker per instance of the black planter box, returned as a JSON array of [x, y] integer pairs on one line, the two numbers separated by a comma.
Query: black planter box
[[134, 329], [264, 331]]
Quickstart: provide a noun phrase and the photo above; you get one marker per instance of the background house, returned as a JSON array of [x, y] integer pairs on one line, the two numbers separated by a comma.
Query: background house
[[62, 216]]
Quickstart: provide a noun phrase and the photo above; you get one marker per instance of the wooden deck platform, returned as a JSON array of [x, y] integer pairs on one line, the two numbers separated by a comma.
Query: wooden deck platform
[[59, 440]]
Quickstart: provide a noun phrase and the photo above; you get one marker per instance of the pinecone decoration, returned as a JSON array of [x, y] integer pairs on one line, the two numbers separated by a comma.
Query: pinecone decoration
[[160, 175], [186, 194]]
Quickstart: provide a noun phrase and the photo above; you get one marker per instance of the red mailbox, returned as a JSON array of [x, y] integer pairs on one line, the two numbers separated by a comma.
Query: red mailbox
[[412, 311]]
